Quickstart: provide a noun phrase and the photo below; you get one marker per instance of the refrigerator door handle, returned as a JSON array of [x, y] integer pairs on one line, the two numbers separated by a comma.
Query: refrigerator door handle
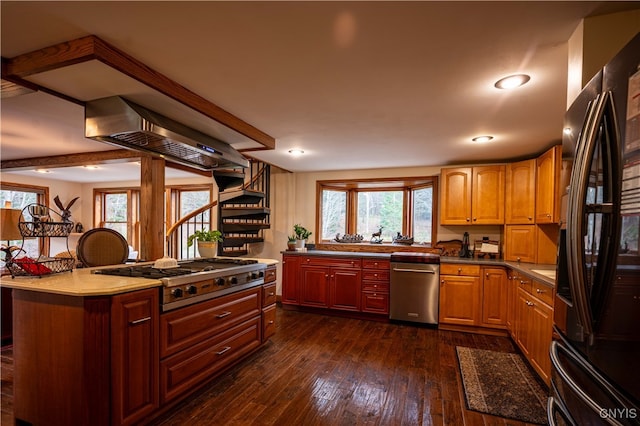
[[575, 209], [554, 406], [575, 388]]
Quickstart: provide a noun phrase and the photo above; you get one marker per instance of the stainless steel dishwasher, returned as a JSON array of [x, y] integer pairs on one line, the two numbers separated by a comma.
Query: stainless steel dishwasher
[[414, 287]]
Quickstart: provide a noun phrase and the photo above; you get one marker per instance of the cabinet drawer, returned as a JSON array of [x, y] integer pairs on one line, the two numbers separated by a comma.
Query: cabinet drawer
[[268, 294], [459, 269], [331, 261], [270, 274], [523, 282], [268, 322], [375, 264], [182, 372], [375, 286], [185, 327], [375, 303], [542, 292], [373, 275]]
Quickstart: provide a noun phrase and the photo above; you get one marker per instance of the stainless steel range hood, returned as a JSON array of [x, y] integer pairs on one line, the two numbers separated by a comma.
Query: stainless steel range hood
[[118, 121]]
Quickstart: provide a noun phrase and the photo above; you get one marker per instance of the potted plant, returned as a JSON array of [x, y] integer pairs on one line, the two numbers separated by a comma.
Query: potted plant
[[291, 243], [301, 234], [207, 242]]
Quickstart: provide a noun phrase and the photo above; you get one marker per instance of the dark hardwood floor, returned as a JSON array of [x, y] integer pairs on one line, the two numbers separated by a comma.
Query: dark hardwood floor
[[321, 370]]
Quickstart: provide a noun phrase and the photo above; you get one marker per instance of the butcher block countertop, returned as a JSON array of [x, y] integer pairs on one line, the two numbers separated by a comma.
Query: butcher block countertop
[[81, 282]]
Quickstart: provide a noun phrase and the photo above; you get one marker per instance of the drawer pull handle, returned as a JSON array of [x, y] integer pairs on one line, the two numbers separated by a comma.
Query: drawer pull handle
[[139, 321], [270, 322], [420, 271], [225, 349], [271, 293], [540, 291], [224, 314]]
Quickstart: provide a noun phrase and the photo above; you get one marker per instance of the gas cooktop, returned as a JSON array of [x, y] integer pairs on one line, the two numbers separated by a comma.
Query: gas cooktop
[[184, 268], [196, 280]]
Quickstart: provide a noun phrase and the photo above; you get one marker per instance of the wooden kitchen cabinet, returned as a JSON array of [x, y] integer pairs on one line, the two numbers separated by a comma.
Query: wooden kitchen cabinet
[[472, 195], [328, 282], [290, 279], [269, 303], [520, 243], [134, 356], [548, 174], [455, 190], [520, 193], [375, 286], [460, 295], [85, 360], [535, 325], [494, 297], [353, 285]]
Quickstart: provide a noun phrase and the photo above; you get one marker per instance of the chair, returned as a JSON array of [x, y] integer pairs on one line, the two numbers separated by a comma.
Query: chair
[[102, 246]]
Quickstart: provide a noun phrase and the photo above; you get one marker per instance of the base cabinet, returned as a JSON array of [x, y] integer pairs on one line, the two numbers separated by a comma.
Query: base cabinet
[[85, 360], [460, 295], [359, 285], [494, 297], [290, 279], [534, 326], [134, 356]]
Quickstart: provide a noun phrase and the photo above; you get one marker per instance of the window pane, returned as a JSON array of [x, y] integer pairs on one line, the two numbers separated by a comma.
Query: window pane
[[115, 216], [380, 208], [115, 207], [19, 200], [334, 213], [192, 200], [422, 214]]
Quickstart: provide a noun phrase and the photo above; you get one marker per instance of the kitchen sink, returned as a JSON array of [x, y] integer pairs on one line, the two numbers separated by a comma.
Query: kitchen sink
[[549, 273]]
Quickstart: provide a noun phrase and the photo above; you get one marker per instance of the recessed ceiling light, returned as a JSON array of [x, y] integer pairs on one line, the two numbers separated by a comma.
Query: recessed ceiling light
[[512, 81], [43, 171], [567, 130], [296, 152], [91, 167], [482, 138]]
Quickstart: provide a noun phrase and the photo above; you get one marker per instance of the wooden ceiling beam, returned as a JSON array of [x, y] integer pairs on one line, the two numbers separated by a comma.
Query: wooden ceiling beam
[[70, 160], [93, 48]]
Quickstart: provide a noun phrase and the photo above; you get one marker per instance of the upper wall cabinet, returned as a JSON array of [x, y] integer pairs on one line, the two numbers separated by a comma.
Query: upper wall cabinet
[[548, 173], [472, 195], [520, 193]]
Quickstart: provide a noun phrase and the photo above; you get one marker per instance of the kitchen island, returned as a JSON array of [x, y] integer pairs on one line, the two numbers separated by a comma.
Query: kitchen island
[[94, 349]]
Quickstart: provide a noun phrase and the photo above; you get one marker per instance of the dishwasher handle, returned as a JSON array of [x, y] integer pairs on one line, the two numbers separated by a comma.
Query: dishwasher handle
[[420, 271]]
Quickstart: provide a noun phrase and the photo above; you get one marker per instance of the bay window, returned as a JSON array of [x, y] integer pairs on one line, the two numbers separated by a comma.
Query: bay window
[[403, 205]]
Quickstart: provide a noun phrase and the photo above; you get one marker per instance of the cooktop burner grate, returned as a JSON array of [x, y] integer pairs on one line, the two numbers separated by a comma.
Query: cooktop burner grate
[[144, 272]]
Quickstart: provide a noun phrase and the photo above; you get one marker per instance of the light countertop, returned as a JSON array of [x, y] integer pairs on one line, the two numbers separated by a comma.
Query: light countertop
[[81, 282]]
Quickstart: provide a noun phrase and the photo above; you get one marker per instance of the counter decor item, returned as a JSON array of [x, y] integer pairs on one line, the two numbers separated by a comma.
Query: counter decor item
[[44, 223], [349, 238], [301, 234], [291, 243], [65, 212], [487, 248], [207, 242], [450, 248], [465, 251], [403, 239], [376, 237]]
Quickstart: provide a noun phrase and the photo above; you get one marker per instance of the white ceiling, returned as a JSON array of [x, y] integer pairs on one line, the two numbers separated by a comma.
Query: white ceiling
[[354, 84]]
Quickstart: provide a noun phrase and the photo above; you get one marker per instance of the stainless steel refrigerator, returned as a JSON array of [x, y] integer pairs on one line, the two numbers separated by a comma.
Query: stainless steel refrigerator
[[595, 353]]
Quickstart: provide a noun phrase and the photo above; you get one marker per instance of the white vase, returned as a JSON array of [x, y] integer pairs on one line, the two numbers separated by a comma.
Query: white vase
[[300, 244], [208, 249]]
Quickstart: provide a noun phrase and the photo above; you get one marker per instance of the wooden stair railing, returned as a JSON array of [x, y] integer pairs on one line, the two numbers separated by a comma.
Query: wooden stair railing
[[178, 233]]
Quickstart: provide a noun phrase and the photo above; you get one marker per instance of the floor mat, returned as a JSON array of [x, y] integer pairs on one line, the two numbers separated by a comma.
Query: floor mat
[[501, 384]]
